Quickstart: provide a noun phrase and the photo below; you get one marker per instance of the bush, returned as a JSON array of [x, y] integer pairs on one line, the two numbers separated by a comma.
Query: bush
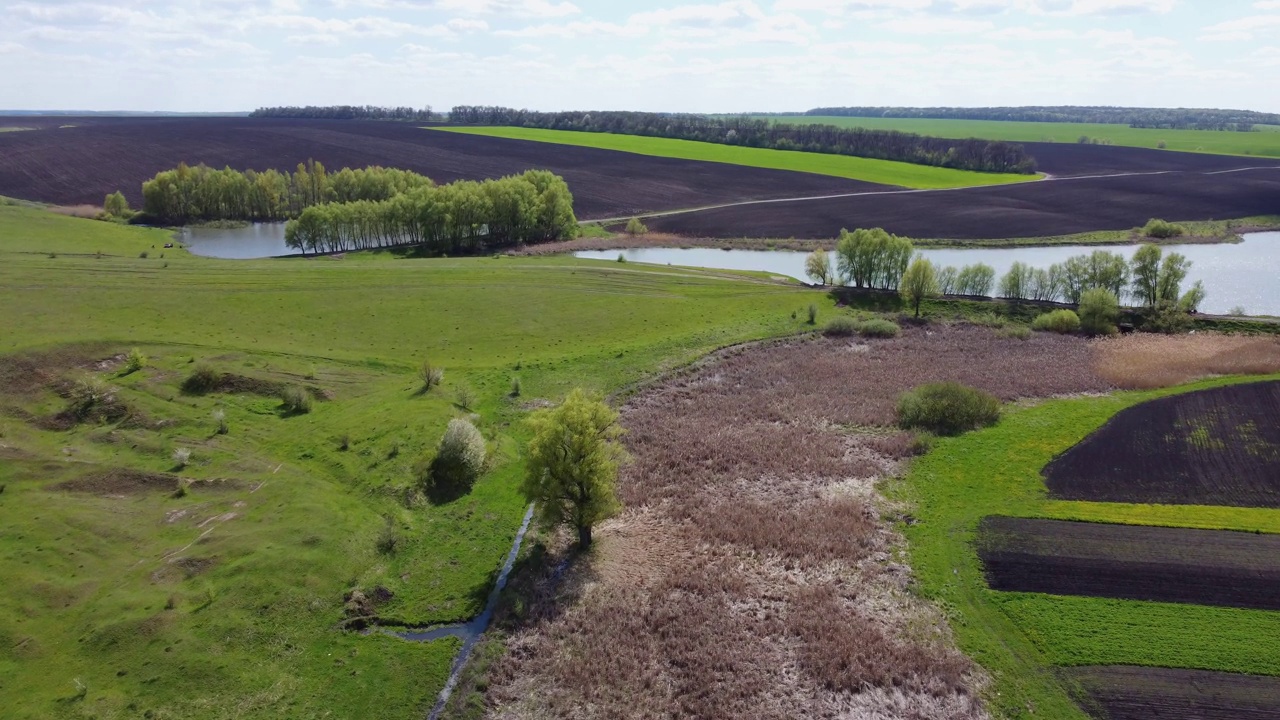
[[947, 409], [1157, 228], [878, 328], [1063, 322], [458, 461], [515, 387], [1168, 318], [1099, 310], [1016, 332], [89, 394], [201, 380], [181, 458], [844, 326], [388, 538], [813, 314], [220, 417], [430, 375], [295, 400], [134, 361], [635, 227]]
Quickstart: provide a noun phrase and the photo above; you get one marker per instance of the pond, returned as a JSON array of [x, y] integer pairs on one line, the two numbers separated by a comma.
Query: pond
[[256, 240], [1245, 274]]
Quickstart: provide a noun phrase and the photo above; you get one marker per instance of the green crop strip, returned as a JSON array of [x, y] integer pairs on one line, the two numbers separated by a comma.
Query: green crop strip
[[884, 172]]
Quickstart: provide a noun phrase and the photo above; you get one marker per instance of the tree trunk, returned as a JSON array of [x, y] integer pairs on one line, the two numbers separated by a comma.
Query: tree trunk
[[584, 537]]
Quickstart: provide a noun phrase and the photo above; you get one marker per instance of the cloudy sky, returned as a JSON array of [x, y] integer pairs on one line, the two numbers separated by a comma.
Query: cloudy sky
[[668, 55]]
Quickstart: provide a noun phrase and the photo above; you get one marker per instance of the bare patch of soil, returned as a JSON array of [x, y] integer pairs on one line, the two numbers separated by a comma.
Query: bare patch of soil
[[119, 481], [1212, 447], [1204, 567], [1139, 693], [751, 573]]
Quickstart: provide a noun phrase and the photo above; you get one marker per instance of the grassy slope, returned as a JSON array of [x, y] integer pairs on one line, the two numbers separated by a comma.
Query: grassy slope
[[1020, 636], [254, 634], [854, 168], [1263, 143]]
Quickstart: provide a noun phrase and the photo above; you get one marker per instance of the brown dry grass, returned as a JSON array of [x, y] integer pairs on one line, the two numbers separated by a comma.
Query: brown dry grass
[[1154, 361], [88, 212], [751, 574]]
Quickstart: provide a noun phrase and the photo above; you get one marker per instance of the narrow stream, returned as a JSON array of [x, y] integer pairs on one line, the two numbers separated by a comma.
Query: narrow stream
[[469, 632]]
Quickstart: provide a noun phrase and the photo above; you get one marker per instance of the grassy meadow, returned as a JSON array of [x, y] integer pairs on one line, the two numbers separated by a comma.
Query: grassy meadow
[[1020, 637], [131, 593], [1264, 143], [885, 172]]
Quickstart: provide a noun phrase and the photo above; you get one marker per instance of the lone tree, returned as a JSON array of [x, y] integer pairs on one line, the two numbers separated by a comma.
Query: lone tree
[[818, 267], [572, 469], [919, 282], [116, 205]]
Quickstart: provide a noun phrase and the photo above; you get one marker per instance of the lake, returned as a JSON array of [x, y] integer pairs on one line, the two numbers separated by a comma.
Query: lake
[[1245, 274], [256, 240]]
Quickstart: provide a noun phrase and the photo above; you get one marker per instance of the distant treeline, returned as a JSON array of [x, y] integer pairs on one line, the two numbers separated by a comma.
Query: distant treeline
[[971, 154], [1163, 118], [458, 218], [197, 194], [345, 112]]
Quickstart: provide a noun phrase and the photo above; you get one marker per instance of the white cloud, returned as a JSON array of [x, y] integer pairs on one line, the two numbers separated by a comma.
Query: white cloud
[[1244, 28]]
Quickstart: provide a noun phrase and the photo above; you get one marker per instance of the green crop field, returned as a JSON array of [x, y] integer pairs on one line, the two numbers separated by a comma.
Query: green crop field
[[876, 171], [1264, 143], [128, 598], [1019, 636]]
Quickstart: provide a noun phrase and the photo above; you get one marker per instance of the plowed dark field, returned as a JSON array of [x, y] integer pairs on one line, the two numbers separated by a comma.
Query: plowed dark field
[[1137, 693], [1053, 207], [1204, 567], [1072, 160], [1212, 447], [101, 155]]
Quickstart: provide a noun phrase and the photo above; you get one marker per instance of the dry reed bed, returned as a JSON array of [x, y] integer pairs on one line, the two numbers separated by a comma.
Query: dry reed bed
[[752, 573], [1152, 361]]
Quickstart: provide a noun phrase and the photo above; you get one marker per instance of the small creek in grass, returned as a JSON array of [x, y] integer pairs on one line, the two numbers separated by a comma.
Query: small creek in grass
[[469, 632], [1245, 274]]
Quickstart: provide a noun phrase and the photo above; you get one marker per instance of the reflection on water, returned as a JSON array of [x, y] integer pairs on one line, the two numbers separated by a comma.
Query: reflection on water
[[1244, 274], [257, 240]]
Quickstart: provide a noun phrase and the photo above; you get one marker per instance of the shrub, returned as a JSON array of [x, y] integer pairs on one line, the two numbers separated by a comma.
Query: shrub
[[1016, 332], [1167, 318], [465, 397], [813, 314], [143, 255], [1099, 310], [201, 380], [430, 375], [1063, 322], [844, 326], [116, 205], [515, 386], [388, 538], [181, 458], [295, 400], [947, 409], [840, 327], [635, 227], [89, 393], [458, 461], [878, 328], [1157, 228], [220, 417], [134, 361]]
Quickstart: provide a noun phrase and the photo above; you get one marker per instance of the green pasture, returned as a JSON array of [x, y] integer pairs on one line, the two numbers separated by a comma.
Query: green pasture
[[1020, 637], [1264, 143], [227, 601], [884, 172]]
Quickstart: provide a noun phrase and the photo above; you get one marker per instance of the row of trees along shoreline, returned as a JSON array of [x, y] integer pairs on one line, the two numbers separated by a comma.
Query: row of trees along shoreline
[[369, 208], [874, 259], [1152, 118], [967, 154]]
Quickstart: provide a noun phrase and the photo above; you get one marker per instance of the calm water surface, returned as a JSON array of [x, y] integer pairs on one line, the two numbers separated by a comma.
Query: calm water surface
[[258, 240], [1245, 274]]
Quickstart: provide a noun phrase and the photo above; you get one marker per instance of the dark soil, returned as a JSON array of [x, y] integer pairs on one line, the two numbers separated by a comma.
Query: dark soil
[[1212, 447], [101, 155], [119, 481], [1036, 209], [1137, 693], [1069, 159], [1205, 567]]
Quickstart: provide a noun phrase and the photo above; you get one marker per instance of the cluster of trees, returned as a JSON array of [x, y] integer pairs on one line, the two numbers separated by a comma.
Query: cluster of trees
[[458, 218], [1166, 118], [970, 154], [875, 259], [345, 112], [197, 194]]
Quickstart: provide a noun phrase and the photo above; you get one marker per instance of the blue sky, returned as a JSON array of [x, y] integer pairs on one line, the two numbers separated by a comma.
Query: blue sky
[[734, 56]]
